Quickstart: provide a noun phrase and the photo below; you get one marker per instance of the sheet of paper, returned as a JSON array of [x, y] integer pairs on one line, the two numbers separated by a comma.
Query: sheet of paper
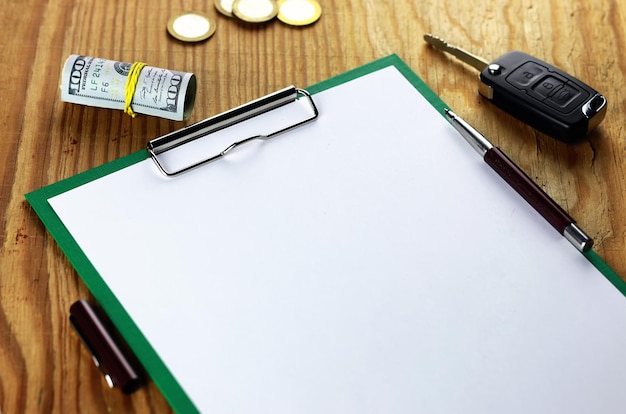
[[367, 262]]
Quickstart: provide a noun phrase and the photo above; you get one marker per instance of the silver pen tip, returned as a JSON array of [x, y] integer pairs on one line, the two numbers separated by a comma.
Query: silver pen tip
[[577, 237]]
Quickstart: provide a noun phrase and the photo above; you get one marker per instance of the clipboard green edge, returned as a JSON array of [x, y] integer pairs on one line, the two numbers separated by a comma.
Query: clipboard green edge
[[151, 362]]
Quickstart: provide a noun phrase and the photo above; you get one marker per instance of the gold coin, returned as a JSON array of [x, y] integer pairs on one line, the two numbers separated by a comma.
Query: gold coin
[[255, 11], [191, 26], [299, 12], [225, 7]]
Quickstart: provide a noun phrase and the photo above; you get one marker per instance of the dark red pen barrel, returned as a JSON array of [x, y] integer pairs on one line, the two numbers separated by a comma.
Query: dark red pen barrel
[[528, 189]]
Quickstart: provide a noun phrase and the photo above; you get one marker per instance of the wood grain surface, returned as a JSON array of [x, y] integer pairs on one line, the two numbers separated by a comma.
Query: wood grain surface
[[43, 367]]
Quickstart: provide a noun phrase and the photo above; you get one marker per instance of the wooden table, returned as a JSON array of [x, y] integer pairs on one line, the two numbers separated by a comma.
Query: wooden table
[[43, 367]]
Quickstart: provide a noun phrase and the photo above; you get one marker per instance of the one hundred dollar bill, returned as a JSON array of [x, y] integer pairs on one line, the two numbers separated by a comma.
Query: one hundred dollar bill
[[102, 83]]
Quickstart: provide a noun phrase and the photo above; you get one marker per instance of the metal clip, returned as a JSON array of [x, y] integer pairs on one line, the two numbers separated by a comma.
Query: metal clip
[[224, 120]]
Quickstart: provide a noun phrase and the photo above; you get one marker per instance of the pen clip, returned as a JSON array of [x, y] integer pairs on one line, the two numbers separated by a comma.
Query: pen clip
[[112, 357]]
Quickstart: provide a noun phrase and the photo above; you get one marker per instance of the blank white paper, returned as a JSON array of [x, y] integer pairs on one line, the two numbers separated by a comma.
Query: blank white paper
[[367, 262]]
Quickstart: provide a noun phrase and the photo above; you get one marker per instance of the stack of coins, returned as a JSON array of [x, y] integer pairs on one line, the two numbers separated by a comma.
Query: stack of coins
[[291, 12], [197, 26]]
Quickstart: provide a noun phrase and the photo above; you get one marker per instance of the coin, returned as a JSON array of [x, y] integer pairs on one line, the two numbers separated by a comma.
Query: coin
[[299, 12], [255, 11], [225, 7], [191, 26]]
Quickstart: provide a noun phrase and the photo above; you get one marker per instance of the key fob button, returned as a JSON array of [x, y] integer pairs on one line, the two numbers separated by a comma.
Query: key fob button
[[548, 86], [526, 75], [566, 98]]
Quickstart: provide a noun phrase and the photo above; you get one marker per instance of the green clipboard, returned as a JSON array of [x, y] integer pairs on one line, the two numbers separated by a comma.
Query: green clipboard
[[151, 361]]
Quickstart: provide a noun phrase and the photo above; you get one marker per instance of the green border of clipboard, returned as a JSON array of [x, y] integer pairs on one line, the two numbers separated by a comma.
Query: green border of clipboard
[[152, 363]]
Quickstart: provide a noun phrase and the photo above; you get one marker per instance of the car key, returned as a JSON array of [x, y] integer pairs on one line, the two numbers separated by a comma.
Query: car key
[[535, 92]]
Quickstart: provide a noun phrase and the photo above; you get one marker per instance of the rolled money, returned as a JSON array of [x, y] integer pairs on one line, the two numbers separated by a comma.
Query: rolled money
[[102, 83]]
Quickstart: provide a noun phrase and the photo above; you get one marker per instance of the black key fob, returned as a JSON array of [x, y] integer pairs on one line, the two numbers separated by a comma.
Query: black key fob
[[542, 96]]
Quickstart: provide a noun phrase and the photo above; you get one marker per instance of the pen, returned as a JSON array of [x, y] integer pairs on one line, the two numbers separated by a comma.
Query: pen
[[521, 183], [117, 364]]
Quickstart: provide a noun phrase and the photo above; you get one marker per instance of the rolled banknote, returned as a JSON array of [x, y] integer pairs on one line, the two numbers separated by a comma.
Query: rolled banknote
[[105, 83]]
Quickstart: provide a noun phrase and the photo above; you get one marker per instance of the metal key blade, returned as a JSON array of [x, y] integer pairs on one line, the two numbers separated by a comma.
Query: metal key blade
[[457, 52]]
